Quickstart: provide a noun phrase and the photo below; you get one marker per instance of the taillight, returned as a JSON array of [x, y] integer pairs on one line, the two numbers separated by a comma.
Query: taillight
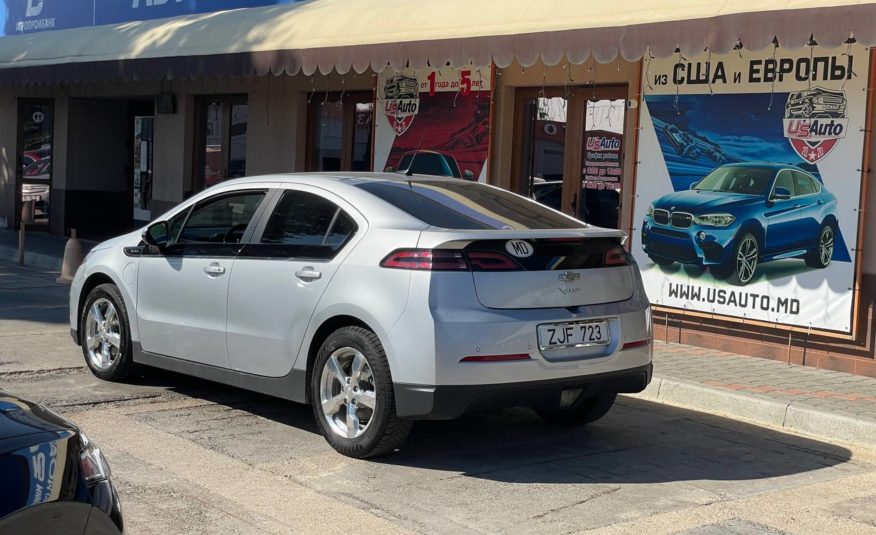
[[615, 255], [491, 261], [425, 260]]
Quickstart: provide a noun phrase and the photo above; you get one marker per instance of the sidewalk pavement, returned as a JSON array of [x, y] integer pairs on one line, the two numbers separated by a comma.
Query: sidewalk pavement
[[823, 404], [41, 249]]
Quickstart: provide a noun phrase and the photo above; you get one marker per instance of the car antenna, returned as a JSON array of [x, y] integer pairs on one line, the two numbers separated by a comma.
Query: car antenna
[[410, 171]]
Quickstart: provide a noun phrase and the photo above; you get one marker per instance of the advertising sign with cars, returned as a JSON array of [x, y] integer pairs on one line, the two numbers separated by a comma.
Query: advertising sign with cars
[[433, 122], [749, 184]]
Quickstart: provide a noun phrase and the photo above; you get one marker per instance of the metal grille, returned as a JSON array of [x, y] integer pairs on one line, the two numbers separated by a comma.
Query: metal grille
[[681, 220], [661, 217]]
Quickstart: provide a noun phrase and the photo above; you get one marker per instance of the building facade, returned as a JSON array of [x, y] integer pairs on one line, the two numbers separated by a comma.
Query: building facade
[[110, 120]]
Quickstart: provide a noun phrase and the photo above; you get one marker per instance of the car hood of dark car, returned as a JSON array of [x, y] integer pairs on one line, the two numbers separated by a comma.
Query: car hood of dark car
[[19, 417], [700, 201]]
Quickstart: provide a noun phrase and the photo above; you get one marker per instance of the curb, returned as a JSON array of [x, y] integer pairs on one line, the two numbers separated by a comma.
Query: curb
[[793, 417], [38, 260]]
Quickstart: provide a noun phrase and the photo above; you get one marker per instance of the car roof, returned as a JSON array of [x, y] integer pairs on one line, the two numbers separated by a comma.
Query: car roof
[[352, 177]]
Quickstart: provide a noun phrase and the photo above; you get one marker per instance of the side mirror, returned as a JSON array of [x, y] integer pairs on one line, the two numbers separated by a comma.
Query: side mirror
[[468, 175], [389, 169], [692, 186], [156, 235], [781, 194]]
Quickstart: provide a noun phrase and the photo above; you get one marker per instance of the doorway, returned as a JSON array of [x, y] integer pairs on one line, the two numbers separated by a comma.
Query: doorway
[[143, 149], [34, 169], [339, 132], [222, 122], [570, 149]]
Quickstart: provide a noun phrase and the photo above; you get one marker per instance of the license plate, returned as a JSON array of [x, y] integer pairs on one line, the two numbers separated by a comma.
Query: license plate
[[576, 334]]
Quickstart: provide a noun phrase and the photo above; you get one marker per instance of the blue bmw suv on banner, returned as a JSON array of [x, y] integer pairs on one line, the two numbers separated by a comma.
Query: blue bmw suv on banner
[[741, 215]]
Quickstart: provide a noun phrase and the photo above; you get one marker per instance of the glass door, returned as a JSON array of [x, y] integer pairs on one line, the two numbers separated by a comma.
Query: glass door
[[340, 129], [143, 155], [603, 159], [35, 123], [221, 130]]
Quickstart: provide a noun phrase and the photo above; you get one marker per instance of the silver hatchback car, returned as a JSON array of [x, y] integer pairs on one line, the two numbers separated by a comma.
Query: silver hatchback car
[[378, 298]]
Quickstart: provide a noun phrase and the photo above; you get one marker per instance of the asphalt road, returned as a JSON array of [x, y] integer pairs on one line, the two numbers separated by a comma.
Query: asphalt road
[[190, 456]]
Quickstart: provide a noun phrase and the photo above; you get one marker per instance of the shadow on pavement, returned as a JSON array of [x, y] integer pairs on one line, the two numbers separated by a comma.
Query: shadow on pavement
[[637, 442]]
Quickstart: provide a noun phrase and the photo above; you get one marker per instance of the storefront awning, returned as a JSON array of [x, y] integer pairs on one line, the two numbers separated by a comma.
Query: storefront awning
[[344, 35]]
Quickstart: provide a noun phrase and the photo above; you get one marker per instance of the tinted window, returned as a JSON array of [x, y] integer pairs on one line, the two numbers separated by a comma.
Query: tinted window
[[785, 180], [805, 185], [314, 224], [747, 180], [221, 219], [462, 205], [174, 224]]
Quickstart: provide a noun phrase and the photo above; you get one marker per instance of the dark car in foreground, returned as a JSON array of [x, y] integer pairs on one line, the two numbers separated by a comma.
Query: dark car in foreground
[[741, 215], [53, 479]]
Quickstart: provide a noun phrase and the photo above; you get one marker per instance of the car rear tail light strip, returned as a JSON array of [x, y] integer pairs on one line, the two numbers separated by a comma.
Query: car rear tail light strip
[[457, 260]]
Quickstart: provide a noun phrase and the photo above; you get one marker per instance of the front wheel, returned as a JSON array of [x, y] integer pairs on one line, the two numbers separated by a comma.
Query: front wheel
[[353, 399], [743, 264], [582, 412], [105, 334], [820, 257]]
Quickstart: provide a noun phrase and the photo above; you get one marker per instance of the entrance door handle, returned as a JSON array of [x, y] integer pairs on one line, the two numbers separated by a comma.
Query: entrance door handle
[[214, 270], [308, 274]]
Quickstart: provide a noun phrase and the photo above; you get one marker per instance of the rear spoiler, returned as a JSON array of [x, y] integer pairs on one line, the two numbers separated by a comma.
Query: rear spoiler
[[434, 237]]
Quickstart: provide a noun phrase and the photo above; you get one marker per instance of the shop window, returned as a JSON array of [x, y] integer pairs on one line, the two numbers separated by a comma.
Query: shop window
[[35, 132], [222, 124], [340, 132], [569, 145]]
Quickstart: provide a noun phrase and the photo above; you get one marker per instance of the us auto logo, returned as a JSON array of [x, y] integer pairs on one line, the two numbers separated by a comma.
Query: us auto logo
[[815, 120], [401, 102]]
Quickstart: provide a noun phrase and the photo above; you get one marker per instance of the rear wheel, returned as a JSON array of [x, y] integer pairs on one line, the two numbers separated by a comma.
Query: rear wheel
[[105, 334], [353, 399], [583, 412], [820, 257]]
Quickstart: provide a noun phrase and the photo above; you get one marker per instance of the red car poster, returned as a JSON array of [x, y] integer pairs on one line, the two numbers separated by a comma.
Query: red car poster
[[436, 122]]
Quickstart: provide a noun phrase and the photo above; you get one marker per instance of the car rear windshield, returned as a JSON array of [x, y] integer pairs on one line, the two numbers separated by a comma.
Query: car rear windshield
[[746, 180], [460, 205]]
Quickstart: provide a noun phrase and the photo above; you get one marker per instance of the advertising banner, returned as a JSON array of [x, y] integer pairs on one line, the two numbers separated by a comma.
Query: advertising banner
[[749, 184], [29, 16], [434, 121]]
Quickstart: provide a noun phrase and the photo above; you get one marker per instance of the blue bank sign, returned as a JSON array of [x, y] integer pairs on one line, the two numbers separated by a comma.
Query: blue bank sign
[[28, 16]]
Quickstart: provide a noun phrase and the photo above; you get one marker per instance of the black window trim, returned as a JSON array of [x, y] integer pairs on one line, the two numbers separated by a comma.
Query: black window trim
[[218, 250], [255, 250]]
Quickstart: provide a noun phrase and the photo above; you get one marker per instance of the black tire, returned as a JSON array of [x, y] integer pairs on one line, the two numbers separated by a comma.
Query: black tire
[[660, 261], [583, 412], [122, 366], [820, 257], [385, 431], [739, 274]]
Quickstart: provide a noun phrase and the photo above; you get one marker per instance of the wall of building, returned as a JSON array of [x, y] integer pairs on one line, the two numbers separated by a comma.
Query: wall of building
[[8, 150]]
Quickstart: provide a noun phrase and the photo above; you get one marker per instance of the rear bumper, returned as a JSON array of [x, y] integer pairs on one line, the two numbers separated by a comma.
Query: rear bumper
[[424, 402]]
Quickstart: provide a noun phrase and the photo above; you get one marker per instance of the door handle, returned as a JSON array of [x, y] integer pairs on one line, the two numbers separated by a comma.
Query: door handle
[[214, 270], [308, 274], [797, 206]]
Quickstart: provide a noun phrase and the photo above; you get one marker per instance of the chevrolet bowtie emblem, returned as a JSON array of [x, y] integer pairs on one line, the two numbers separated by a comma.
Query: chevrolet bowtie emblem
[[569, 276]]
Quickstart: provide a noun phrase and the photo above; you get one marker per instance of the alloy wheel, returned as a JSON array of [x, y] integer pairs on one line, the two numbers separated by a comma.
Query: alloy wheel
[[746, 259], [825, 246], [347, 393], [103, 334]]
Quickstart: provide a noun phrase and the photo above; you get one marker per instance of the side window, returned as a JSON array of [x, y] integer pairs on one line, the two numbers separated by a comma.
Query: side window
[[805, 184], [308, 225], [221, 219], [174, 224], [785, 180]]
